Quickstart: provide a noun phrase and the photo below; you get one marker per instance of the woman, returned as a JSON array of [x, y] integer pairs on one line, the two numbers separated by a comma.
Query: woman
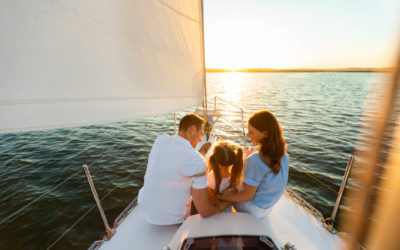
[[267, 170]]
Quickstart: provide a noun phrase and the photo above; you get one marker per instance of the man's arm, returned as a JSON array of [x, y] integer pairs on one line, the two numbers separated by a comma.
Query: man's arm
[[203, 204], [211, 193], [246, 195]]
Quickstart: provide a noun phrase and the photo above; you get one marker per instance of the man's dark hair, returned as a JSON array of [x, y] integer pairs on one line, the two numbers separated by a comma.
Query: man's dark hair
[[190, 120]]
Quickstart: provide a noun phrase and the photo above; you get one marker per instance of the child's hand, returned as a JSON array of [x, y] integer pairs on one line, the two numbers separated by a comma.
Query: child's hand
[[249, 150], [223, 197]]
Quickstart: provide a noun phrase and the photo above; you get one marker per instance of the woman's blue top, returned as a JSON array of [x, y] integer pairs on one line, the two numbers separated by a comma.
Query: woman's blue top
[[270, 186]]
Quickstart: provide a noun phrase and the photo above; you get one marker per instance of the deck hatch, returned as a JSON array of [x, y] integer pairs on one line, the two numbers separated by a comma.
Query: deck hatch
[[231, 242]]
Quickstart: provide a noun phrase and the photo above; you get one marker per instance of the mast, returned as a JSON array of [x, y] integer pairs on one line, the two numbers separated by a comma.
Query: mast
[[204, 58], [378, 161]]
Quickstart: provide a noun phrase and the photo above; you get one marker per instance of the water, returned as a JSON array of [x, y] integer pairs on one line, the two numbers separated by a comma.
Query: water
[[320, 114]]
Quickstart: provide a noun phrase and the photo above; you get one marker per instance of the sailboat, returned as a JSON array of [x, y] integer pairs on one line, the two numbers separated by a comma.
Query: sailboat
[[120, 61]]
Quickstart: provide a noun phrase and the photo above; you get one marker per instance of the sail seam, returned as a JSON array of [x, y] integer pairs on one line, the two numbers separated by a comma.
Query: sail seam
[[178, 12], [72, 100]]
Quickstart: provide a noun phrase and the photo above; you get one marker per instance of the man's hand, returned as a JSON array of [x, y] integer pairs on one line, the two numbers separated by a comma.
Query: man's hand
[[222, 205], [203, 203], [223, 197]]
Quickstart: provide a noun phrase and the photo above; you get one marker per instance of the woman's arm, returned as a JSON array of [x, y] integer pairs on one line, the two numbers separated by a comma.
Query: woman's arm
[[246, 195]]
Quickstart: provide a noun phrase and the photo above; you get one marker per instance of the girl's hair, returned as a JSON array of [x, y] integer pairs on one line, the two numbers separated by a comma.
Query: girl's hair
[[273, 147], [224, 155]]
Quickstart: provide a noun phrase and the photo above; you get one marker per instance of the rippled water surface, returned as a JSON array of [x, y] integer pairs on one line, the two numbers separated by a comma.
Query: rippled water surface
[[320, 113]]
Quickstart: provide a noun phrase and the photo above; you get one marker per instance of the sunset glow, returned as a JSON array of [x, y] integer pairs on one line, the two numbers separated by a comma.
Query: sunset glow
[[301, 34]]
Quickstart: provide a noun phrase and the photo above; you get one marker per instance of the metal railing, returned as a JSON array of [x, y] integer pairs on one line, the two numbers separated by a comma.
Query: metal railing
[[232, 125]]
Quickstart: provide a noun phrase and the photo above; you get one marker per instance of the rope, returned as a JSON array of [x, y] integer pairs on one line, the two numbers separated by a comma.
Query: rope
[[322, 219], [308, 209], [90, 209]]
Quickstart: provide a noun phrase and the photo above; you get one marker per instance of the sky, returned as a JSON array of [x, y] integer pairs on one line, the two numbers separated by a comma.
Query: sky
[[285, 34]]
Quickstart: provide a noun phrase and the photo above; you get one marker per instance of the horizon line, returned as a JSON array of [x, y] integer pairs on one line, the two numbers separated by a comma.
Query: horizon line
[[272, 70]]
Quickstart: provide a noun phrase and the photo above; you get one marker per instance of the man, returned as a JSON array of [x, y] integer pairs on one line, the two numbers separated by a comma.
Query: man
[[174, 174]]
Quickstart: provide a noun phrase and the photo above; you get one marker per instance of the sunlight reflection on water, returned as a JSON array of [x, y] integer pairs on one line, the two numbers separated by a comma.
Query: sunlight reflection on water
[[233, 85]]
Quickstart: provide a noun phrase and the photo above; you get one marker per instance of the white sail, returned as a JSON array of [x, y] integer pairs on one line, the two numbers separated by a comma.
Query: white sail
[[71, 63]]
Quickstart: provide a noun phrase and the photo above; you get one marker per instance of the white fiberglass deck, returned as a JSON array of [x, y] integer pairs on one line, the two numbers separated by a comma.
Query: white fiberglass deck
[[288, 222]]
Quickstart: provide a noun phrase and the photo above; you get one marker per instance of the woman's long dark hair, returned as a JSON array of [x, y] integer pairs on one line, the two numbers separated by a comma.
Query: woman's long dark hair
[[273, 147], [224, 155]]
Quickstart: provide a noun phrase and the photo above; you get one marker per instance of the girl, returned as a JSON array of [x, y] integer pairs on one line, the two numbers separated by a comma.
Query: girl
[[267, 170], [225, 170]]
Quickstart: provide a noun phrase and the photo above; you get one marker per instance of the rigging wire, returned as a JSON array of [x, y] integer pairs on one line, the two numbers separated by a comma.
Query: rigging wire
[[19, 211], [44, 187], [318, 180], [38, 198], [69, 229], [305, 171], [108, 154], [10, 171], [90, 209], [14, 170], [229, 123]]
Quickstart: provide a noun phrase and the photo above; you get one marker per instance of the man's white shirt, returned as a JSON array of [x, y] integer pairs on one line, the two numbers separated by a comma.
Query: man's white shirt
[[165, 196]]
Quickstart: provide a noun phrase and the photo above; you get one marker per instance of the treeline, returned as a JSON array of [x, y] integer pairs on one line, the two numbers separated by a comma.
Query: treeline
[[267, 70]]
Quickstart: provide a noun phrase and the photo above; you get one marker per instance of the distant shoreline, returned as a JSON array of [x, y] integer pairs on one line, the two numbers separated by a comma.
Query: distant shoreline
[[266, 70]]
